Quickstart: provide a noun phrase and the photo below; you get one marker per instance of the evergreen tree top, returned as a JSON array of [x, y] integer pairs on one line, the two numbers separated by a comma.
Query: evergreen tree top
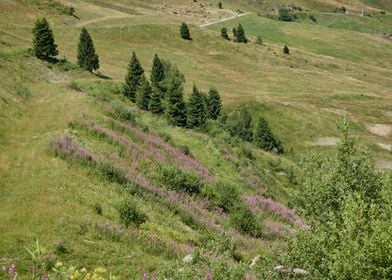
[[87, 58], [43, 41], [157, 71]]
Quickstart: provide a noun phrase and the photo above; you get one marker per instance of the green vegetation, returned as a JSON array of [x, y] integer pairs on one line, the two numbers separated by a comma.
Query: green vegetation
[[43, 42], [133, 78], [87, 58], [224, 33], [184, 32], [240, 34], [197, 109], [113, 172]]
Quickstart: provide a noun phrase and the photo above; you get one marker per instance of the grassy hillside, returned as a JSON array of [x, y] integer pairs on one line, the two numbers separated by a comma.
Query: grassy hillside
[[340, 65]]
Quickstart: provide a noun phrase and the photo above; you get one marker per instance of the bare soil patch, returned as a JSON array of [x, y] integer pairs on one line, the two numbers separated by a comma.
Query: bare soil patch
[[325, 141], [379, 129]]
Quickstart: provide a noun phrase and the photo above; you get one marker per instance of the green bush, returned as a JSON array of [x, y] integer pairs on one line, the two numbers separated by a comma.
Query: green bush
[[244, 220], [177, 179], [112, 173], [122, 112], [223, 195], [23, 91], [74, 86], [98, 208], [129, 214]]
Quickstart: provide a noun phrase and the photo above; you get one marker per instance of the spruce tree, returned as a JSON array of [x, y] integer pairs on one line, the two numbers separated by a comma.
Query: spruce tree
[[133, 78], [240, 34], [224, 33], [176, 107], [197, 113], [43, 42], [157, 72], [264, 138], [143, 94], [87, 58], [220, 6], [234, 32], [214, 104], [184, 32], [286, 50], [155, 105]]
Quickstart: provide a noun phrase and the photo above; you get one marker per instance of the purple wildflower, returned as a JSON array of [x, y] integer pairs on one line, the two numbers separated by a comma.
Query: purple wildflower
[[208, 275], [4, 268]]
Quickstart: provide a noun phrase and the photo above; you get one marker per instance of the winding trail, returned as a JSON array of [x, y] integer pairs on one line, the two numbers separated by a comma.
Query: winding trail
[[224, 19], [84, 23]]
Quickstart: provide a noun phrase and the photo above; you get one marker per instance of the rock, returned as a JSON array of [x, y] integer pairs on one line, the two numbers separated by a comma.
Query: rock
[[254, 261], [188, 258]]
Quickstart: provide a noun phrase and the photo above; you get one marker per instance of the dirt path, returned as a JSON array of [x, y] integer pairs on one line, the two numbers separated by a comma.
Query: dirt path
[[82, 24], [223, 20]]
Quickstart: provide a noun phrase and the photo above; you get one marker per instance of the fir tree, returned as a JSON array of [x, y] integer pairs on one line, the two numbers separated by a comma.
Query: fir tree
[[184, 32], [220, 6], [240, 35], [133, 78], [234, 32], [197, 113], [264, 138], [214, 104], [157, 72], [155, 105], [43, 42], [286, 50], [224, 33], [143, 94], [87, 58], [176, 107]]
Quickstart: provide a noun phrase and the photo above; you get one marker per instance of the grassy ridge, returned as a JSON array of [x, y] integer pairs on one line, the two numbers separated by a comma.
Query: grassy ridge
[[331, 71]]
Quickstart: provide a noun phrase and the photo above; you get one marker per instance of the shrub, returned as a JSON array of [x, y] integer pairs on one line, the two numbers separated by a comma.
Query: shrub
[[244, 220], [122, 112], [224, 33], [74, 86], [129, 214], [60, 248], [259, 40], [286, 50], [184, 32], [239, 125], [177, 179], [98, 208], [112, 173], [223, 195], [284, 15], [23, 91]]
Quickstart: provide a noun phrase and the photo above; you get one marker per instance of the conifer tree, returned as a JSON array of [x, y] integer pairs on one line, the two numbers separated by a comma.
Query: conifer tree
[[234, 32], [197, 113], [143, 94], [157, 72], [214, 104], [240, 35], [264, 138], [224, 33], [43, 42], [286, 50], [155, 105], [176, 107], [87, 58], [220, 6], [133, 78], [184, 32]]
